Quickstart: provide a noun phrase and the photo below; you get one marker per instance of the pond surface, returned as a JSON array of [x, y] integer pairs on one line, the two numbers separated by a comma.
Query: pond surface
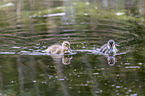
[[29, 27]]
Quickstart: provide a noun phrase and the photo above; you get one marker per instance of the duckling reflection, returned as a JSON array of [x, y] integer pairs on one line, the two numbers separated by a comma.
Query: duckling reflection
[[58, 49], [109, 48], [111, 60], [66, 59]]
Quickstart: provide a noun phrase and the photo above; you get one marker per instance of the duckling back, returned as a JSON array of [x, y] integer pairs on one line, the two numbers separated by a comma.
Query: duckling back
[[54, 49], [104, 48]]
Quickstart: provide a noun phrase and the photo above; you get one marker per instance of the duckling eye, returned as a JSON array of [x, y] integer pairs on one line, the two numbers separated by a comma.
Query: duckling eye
[[65, 45]]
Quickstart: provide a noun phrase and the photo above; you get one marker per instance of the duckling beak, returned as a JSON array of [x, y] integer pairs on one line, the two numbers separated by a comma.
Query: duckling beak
[[69, 49]]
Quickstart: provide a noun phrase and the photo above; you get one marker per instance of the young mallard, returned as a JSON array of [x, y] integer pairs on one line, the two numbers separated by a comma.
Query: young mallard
[[58, 49], [109, 48]]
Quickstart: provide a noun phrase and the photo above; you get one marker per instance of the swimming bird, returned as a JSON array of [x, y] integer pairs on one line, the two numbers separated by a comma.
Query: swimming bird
[[109, 48], [58, 49]]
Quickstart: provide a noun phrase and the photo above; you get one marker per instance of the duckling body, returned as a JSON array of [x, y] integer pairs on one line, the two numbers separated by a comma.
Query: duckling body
[[109, 48], [54, 49], [58, 49]]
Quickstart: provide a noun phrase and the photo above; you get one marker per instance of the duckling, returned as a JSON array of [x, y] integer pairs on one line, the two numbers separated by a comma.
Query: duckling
[[109, 48], [58, 49]]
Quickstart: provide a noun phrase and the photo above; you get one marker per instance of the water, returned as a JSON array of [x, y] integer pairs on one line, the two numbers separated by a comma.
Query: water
[[29, 27]]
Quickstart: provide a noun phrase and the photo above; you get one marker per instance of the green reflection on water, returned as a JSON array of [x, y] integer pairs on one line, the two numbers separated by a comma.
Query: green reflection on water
[[32, 26]]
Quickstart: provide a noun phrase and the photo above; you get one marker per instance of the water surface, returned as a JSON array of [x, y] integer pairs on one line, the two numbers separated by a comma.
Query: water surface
[[29, 27]]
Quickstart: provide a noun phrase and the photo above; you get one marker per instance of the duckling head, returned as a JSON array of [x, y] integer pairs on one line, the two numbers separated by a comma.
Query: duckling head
[[111, 46], [66, 47]]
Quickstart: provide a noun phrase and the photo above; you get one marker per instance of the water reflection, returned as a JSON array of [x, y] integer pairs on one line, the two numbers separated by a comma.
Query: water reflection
[[61, 78], [29, 26], [111, 60], [66, 59]]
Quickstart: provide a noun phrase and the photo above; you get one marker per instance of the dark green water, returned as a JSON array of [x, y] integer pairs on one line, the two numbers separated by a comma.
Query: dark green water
[[27, 27]]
